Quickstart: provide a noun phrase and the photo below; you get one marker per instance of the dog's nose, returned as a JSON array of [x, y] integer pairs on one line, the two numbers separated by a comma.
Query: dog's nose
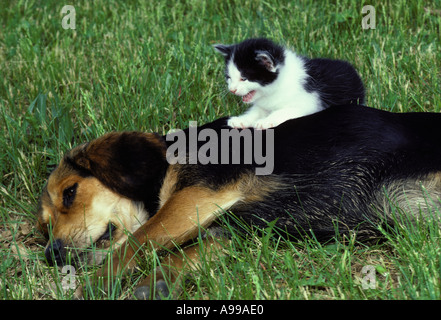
[[55, 253]]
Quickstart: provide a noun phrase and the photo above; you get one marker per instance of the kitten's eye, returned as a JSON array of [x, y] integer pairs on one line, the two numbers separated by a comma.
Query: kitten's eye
[[243, 79], [69, 195]]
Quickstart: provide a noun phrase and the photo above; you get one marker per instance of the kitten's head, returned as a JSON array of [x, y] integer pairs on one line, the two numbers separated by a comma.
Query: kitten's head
[[250, 66]]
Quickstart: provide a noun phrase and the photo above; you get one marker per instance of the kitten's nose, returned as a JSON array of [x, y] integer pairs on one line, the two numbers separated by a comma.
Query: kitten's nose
[[233, 91]]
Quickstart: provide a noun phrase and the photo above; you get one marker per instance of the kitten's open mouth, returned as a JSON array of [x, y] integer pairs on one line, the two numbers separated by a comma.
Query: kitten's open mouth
[[249, 96]]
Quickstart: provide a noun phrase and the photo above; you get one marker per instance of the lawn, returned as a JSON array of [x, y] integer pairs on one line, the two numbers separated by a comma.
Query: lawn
[[150, 66]]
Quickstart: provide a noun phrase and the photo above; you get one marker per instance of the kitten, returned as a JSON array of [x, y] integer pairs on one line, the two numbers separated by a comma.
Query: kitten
[[281, 85]]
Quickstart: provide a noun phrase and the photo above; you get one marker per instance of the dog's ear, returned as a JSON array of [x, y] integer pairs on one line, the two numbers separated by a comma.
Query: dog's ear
[[130, 163]]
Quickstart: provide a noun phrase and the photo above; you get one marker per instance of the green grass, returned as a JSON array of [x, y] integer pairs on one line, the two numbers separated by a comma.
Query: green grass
[[144, 65]]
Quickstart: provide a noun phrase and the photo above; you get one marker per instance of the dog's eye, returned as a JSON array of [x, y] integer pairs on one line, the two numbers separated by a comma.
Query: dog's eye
[[69, 195], [107, 235]]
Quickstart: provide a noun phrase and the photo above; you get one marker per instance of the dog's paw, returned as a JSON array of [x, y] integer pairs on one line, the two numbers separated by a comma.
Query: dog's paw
[[159, 291], [155, 287]]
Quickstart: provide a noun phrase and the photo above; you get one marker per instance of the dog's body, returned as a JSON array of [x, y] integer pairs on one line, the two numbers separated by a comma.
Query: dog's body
[[336, 171]]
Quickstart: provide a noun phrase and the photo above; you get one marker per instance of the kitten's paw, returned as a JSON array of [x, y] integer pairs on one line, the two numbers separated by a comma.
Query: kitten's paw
[[264, 124], [239, 123]]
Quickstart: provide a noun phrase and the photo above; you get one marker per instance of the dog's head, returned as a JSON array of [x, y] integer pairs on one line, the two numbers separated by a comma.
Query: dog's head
[[99, 192]]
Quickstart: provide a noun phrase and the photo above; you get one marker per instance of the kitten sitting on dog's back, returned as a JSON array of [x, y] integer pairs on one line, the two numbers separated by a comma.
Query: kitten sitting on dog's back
[[281, 85]]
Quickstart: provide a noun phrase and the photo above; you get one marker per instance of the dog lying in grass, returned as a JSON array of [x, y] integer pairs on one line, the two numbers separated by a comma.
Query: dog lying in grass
[[335, 172]]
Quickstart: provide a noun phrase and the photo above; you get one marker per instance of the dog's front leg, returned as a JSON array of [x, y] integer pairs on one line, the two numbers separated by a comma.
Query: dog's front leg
[[166, 280], [176, 222]]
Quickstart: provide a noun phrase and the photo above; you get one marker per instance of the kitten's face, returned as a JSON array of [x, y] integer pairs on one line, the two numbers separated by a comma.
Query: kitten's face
[[251, 66], [240, 85]]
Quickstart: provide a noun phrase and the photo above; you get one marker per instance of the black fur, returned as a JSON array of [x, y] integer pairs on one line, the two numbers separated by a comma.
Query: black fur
[[336, 81], [334, 166], [331, 169]]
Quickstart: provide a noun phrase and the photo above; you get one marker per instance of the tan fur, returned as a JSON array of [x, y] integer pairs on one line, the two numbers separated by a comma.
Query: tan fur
[[95, 206], [416, 197], [169, 185], [177, 222]]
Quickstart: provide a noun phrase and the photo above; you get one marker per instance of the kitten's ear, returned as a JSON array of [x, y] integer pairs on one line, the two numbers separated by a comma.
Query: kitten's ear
[[225, 50], [266, 59]]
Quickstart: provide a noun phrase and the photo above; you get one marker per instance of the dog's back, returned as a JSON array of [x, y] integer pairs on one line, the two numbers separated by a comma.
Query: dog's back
[[339, 170]]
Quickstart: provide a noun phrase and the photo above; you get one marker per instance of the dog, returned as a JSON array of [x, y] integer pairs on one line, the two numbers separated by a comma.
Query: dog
[[338, 172]]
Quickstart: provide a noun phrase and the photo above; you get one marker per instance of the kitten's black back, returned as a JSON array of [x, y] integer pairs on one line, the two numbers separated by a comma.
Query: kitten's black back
[[336, 81]]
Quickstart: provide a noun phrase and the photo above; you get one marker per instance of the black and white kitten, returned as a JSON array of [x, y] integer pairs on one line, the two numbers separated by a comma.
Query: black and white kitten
[[281, 85]]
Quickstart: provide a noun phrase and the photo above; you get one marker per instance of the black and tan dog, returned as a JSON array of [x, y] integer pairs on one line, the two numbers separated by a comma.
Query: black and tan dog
[[341, 170]]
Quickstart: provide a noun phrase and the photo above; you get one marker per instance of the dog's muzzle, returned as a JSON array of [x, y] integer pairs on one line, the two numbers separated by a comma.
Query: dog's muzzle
[[55, 253]]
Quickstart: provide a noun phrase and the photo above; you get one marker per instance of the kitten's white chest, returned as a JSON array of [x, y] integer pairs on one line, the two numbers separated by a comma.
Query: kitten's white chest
[[272, 104]]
